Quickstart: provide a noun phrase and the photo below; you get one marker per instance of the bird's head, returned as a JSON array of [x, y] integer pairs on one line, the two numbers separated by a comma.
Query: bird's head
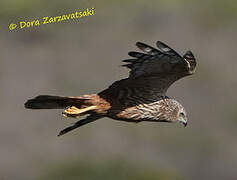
[[172, 111], [182, 117]]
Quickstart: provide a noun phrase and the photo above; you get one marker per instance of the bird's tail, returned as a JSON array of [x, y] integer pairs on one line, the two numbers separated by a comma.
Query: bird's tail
[[76, 106], [51, 102]]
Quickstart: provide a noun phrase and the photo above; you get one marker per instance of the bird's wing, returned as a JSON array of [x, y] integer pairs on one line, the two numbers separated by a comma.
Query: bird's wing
[[158, 68]]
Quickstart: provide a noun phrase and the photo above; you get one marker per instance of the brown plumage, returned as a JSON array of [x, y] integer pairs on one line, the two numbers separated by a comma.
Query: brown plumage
[[140, 97]]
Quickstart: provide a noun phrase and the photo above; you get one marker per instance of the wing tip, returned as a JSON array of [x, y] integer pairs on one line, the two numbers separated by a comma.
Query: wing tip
[[189, 55], [163, 47], [141, 45], [129, 66]]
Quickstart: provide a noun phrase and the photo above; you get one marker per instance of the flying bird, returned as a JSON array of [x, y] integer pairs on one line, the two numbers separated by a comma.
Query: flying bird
[[140, 97]]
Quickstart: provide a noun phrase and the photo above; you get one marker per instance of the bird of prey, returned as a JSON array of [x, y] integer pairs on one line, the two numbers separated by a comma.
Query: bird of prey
[[140, 97]]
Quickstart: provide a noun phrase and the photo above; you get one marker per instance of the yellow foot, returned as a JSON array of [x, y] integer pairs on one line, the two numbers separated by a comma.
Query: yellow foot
[[75, 112]]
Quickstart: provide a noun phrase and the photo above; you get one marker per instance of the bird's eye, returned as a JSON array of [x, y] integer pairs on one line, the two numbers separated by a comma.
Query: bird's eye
[[182, 114]]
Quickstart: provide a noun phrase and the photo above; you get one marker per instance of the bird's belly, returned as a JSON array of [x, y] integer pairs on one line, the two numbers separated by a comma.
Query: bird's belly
[[132, 114]]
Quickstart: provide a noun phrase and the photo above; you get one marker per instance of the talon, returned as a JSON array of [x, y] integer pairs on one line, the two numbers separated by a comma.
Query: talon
[[64, 114], [75, 112]]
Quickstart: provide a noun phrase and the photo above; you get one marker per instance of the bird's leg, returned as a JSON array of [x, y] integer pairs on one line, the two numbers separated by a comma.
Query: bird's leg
[[75, 112]]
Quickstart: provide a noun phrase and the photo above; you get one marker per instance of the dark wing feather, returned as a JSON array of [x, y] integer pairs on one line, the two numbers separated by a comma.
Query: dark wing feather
[[166, 49], [151, 74], [147, 49], [161, 66]]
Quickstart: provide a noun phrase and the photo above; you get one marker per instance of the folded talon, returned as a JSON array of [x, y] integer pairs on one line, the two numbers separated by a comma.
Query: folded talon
[[75, 112]]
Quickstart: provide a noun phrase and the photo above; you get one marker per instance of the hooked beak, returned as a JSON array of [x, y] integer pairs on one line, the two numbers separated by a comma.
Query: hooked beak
[[184, 121], [185, 124]]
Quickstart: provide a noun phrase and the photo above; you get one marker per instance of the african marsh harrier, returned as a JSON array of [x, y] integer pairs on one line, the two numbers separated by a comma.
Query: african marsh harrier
[[140, 97]]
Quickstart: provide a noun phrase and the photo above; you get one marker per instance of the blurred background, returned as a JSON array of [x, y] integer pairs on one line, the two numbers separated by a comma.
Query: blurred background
[[84, 56]]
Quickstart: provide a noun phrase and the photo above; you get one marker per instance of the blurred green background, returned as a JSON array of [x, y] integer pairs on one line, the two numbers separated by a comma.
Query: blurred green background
[[82, 57]]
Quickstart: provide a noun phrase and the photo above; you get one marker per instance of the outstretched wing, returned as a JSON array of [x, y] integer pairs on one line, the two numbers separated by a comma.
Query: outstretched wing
[[152, 72], [162, 66], [154, 62]]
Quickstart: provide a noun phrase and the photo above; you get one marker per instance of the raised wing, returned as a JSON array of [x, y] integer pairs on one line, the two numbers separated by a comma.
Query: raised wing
[[152, 73], [159, 62]]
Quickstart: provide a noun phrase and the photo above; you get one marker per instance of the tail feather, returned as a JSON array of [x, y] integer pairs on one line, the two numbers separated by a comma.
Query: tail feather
[[52, 102]]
